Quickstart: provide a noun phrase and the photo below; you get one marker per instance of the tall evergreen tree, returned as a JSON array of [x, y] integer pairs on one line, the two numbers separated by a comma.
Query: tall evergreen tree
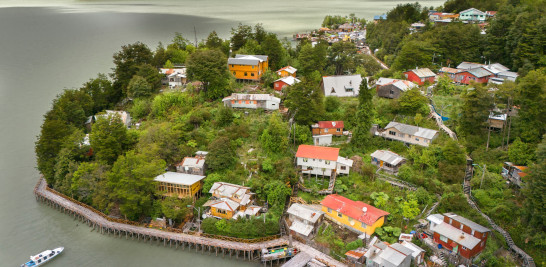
[[364, 115]]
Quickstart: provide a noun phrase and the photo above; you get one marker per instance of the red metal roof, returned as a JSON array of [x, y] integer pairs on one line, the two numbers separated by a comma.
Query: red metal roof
[[354, 209], [330, 124], [317, 152]]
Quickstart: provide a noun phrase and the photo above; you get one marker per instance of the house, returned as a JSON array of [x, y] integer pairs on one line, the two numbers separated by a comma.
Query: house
[[231, 201], [383, 254], [449, 72], [322, 140], [472, 15], [417, 26], [417, 255], [193, 165], [287, 71], [420, 76], [180, 185], [303, 220], [174, 77], [341, 85], [394, 89], [252, 101], [457, 234], [490, 14], [408, 134], [328, 127], [387, 160], [356, 257], [248, 67], [479, 75], [319, 160], [498, 72], [356, 216], [514, 173], [123, 115], [497, 121], [284, 82]]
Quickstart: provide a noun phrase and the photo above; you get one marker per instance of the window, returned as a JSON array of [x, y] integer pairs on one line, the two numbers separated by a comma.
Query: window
[[391, 92], [232, 101], [338, 130], [443, 238], [240, 101], [339, 214], [221, 211], [325, 130], [464, 248], [253, 67], [483, 243], [327, 162], [416, 139], [450, 221], [392, 133], [351, 221], [401, 135], [472, 233], [252, 74], [364, 225], [342, 167], [305, 159], [320, 160], [277, 85], [246, 74], [234, 73], [461, 227], [329, 210]]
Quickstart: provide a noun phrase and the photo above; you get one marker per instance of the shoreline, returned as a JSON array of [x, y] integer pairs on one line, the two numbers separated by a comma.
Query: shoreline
[[250, 251]]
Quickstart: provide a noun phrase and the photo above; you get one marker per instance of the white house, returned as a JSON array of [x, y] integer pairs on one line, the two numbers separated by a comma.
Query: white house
[[472, 15], [385, 255], [192, 165], [252, 101], [303, 220], [323, 161], [322, 140], [124, 115], [341, 85], [174, 77], [408, 134]]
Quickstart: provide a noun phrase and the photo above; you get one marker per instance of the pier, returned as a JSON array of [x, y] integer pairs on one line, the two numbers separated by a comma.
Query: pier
[[244, 249]]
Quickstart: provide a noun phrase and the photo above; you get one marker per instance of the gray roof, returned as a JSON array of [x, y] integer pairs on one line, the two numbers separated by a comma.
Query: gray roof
[[387, 156], [423, 73], [457, 235], [304, 212], [412, 130], [223, 204], [479, 72], [342, 85], [247, 59], [260, 57], [179, 178], [193, 162], [416, 250], [241, 193], [468, 65], [467, 222], [383, 81]]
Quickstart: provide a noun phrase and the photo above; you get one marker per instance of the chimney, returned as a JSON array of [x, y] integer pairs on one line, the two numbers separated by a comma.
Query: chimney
[[364, 209]]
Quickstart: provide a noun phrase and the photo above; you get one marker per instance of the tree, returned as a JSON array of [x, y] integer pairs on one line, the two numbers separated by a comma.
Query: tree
[[209, 67], [108, 138], [138, 87], [519, 153], [412, 102], [160, 56], [168, 64], [132, 183], [474, 111], [179, 42], [275, 136], [175, 208], [127, 62], [151, 75], [213, 41], [273, 48], [306, 102], [163, 141], [364, 115], [101, 91], [239, 36], [532, 113], [535, 188], [88, 183], [379, 199], [410, 208], [277, 192], [342, 57], [414, 54], [221, 154]]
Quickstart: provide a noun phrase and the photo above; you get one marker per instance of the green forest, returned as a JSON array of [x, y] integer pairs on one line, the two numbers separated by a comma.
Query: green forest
[[114, 172]]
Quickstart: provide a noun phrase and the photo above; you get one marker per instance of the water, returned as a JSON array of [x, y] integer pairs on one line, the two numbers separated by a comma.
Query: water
[[62, 44]]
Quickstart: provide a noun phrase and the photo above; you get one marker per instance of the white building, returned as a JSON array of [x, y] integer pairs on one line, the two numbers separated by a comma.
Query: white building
[[124, 115], [304, 220], [319, 160], [174, 77], [408, 134], [252, 101], [322, 140], [341, 85], [381, 254]]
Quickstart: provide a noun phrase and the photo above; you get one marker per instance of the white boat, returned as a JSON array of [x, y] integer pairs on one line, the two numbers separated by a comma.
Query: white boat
[[43, 257]]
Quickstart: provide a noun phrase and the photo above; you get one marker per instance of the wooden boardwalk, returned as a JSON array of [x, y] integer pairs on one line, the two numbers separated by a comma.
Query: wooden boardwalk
[[248, 250]]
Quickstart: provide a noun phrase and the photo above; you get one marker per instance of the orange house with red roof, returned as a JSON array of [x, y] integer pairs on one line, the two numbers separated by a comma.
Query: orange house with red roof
[[354, 215], [328, 127]]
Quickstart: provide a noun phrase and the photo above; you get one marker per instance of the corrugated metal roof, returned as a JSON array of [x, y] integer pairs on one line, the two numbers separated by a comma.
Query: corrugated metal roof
[[354, 209], [288, 69], [342, 85], [301, 228], [266, 97], [345, 161], [383, 81], [193, 162], [241, 193], [479, 72], [457, 235], [387, 156], [318, 152], [449, 70], [467, 222], [179, 178], [260, 57], [412, 130], [304, 212], [289, 80], [246, 59], [468, 65], [223, 204], [416, 250], [423, 73]]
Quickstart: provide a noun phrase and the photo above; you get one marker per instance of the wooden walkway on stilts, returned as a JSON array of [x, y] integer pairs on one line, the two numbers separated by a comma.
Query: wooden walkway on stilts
[[249, 250]]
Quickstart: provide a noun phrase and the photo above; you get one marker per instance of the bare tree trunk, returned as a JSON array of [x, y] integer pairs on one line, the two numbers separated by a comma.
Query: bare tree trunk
[[488, 137], [509, 125]]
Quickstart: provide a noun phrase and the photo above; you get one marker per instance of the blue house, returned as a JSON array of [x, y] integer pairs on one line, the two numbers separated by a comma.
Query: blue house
[[472, 15]]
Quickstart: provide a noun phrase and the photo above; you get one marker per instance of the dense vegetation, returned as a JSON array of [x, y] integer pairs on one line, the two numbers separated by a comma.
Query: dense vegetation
[[114, 172]]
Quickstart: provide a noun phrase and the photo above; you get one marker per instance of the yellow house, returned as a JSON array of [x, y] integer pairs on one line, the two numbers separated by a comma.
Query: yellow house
[[355, 215], [248, 67], [181, 185], [287, 71], [231, 201]]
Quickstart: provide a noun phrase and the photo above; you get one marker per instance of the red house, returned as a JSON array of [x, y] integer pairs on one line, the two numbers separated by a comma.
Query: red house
[[281, 83], [480, 75], [420, 76], [458, 234], [328, 127]]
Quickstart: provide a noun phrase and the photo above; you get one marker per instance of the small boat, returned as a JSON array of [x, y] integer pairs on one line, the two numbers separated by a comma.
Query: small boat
[[43, 257]]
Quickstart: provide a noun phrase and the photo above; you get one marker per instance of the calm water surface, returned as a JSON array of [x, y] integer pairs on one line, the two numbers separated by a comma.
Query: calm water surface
[[45, 48]]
